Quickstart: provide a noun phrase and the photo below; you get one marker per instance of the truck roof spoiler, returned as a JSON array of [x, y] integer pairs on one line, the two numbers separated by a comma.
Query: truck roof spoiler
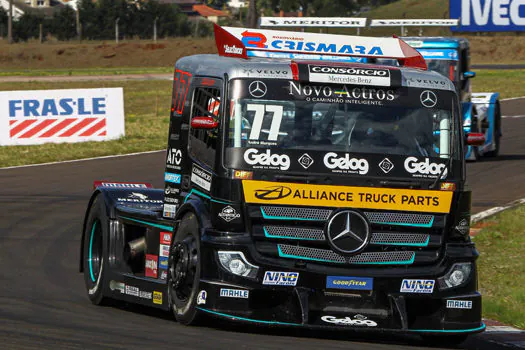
[[245, 43]]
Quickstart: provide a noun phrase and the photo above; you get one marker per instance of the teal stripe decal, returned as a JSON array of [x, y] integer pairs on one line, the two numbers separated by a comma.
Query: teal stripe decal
[[163, 227], [204, 195], [248, 319], [450, 330], [287, 237], [90, 249], [290, 256], [405, 244], [270, 217], [402, 224]]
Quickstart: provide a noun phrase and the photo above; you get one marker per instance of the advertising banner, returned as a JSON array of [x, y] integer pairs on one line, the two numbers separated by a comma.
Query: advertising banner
[[488, 15], [56, 116]]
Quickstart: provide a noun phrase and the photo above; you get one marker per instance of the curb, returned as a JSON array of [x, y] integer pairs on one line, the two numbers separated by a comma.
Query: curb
[[492, 211]]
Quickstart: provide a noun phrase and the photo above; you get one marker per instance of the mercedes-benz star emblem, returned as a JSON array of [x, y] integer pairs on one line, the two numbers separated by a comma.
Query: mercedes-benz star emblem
[[257, 89], [428, 98], [348, 232]]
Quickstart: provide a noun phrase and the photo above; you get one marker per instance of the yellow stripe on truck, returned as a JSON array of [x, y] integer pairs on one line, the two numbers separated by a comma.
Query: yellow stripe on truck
[[265, 192]]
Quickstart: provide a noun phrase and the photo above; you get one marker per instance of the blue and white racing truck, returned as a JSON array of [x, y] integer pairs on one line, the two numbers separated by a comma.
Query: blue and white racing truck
[[450, 56], [481, 111]]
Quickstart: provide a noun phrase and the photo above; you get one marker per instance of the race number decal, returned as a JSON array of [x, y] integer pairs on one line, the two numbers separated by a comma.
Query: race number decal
[[260, 111], [180, 90]]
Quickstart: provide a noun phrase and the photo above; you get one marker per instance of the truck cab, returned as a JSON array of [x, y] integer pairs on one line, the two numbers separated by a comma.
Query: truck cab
[[450, 56], [300, 190]]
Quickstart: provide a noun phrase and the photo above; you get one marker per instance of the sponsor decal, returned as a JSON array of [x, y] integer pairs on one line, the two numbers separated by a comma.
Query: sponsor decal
[[267, 73], [349, 75], [173, 178], [136, 197], [427, 83], [428, 99], [131, 290], [201, 177], [329, 93], [163, 262], [257, 89], [276, 278], [439, 54], [355, 283], [305, 160], [233, 49], [386, 165], [358, 320], [463, 226], [312, 22], [174, 158], [229, 213], [413, 22], [58, 116], [488, 15], [151, 266], [114, 285], [417, 286], [201, 297], [429, 201], [345, 164], [165, 237], [157, 297], [459, 304], [163, 274], [169, 210], [266, 160], [425, 169], [234, 293], [243, 175], [145, 295], [171, 200], [171, 190], [123, 185], [164, 250]]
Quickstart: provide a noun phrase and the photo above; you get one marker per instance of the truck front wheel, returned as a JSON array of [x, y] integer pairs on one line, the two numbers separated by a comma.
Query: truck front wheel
[[94, 264], [184, 271]]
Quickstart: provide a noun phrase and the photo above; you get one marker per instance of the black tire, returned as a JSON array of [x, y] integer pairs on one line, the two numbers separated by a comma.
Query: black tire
[[95, 247], [184, 270], [444, 340], [497, 133]]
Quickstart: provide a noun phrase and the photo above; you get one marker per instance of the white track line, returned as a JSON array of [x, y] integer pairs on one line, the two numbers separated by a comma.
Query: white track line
[[512, 98], [503, 329], [489, 212], [513, 116], [83, 159]]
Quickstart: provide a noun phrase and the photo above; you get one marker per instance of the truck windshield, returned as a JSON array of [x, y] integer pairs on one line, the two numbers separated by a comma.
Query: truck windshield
[[289, 115], [448, 68]]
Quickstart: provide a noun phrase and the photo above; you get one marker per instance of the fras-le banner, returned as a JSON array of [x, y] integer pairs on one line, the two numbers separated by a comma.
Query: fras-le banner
[[346, 196], [42, 116]]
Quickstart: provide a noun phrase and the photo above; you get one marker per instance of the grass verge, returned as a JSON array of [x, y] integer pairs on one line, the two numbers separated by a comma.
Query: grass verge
[[146, 106], [501, 266], [509, 83]]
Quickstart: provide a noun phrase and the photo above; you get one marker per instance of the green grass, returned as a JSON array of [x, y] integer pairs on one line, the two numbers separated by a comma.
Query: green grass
[[509, 83], [145, 129], [501, 267], [86, 71]]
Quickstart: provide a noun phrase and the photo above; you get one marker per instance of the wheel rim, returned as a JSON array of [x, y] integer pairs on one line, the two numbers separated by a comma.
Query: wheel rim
[[95, 252], [183, 268]]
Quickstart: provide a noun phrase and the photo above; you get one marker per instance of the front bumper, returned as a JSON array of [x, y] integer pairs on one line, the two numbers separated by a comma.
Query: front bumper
[[309, 303]]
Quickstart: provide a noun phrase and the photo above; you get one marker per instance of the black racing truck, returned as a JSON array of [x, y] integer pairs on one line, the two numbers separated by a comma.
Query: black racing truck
[[301, 189]]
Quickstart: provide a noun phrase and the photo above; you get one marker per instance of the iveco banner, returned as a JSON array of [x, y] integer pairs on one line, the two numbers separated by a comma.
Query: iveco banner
[[488, 15], [42, 116]]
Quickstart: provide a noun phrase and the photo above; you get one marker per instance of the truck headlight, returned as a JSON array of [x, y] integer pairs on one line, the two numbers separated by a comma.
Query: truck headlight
[[236, 263], [458, 275]]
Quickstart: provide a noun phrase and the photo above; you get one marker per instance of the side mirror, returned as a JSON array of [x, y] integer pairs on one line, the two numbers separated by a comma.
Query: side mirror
[[204, 123], [475, 139], [468, 75]]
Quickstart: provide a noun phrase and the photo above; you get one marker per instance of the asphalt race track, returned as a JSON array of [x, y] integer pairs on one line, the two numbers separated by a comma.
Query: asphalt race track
[[43, 303]]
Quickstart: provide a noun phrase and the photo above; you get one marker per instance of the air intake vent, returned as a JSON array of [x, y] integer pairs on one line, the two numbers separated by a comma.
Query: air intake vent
[[406, 239], [392, 218], [285, 232], [291, 213]]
